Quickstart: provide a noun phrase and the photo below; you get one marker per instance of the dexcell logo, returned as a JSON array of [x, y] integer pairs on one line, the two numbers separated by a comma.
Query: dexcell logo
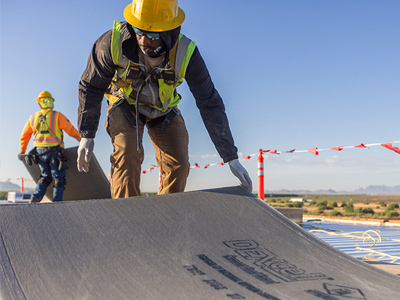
[[261, 257]]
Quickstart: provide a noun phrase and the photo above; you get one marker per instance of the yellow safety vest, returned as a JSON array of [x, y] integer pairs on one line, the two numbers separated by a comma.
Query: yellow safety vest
[[128, 72], [41, 122]]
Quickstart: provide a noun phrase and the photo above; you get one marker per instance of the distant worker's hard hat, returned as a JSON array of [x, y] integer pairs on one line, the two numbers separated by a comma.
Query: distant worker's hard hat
[[45, 100], [154, 15], [44, 94]]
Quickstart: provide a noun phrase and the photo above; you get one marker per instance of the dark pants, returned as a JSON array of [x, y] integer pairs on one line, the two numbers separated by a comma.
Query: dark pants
[[48, 171]]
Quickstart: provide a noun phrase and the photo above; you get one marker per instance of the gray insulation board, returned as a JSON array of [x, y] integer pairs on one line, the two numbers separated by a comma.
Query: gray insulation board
[[211, 244], [80, 185]]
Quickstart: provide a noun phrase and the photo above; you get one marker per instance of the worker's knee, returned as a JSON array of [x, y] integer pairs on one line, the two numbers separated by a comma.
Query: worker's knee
[[60, 182], [176, 163], [45, 180], [179, 171]]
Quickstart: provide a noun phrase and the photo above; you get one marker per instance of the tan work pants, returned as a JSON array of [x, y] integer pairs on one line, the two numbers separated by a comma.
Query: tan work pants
[[126, 161]]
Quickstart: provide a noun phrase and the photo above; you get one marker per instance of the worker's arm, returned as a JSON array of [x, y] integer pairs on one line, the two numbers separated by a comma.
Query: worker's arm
[[25, 136], [94, 82], [66, 126], [211, 107]]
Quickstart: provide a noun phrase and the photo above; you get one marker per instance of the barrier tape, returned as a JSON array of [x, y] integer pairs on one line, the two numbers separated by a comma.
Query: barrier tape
[[315, 151], [22, 179]]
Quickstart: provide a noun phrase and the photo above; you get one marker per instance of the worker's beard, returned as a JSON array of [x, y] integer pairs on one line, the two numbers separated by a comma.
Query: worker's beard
[[151, 51]]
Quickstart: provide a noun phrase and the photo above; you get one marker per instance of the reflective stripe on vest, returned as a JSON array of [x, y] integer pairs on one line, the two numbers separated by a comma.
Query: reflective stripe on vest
[[179, 55], [115, 38], [183, 54], [43, 137]]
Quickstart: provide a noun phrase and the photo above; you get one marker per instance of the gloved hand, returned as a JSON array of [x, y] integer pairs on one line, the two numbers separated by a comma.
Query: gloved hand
[[85, 151], [240, 172], [21, 156]]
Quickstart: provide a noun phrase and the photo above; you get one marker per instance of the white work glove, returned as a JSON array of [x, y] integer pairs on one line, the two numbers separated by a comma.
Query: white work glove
[[85, 151], [240, 172]]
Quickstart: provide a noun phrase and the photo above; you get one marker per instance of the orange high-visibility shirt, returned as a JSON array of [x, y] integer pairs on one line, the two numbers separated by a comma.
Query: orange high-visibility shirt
[[63, 123]]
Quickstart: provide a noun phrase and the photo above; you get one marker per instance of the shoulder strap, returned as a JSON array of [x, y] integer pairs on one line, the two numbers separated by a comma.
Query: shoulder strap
[[40, 119]]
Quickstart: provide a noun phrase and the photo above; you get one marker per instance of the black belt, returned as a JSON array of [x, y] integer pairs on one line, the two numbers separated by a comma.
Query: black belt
[[128, 109]]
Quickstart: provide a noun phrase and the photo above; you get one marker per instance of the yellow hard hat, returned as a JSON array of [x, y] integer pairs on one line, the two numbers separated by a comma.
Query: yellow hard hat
[[44, 94], [154, 15]]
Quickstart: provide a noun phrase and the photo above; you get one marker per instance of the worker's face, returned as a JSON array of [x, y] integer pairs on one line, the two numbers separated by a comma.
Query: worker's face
[[148, 41]]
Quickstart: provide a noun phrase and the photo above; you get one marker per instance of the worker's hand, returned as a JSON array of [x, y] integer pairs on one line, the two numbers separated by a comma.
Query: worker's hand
[[85, 151], [21, 156], [240, 172]]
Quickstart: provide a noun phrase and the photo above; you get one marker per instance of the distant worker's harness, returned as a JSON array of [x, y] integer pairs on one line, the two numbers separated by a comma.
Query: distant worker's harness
[[44, 135], [130, 78]]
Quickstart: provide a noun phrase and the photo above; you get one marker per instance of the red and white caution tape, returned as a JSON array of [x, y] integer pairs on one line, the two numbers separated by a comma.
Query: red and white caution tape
[[340, 148], [150, 169], [19, 179], [315, 151], [220, 163]]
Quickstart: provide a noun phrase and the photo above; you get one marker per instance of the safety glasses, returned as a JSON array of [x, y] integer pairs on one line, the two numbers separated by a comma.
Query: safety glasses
[[150, 35]]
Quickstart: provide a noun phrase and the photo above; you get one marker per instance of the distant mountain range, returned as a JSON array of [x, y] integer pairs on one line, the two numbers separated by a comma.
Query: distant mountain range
[[9, 186], [369, 190]]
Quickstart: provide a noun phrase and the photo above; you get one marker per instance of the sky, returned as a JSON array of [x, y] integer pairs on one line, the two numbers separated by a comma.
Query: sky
[[293, 75]]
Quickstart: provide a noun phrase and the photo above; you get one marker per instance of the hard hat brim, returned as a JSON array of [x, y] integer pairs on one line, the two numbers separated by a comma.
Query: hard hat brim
[[155, 27], [38, 98], [44, 94]]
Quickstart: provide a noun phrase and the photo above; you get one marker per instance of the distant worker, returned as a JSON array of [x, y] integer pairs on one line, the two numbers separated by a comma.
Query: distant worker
[[137, 66], [47, 125]]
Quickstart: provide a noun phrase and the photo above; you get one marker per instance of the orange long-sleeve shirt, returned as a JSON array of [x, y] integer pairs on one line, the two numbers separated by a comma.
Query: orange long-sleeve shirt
[[63, 123]]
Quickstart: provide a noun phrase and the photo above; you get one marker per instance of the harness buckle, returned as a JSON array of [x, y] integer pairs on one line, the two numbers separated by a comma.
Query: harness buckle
[[133, 73], [168, 76]]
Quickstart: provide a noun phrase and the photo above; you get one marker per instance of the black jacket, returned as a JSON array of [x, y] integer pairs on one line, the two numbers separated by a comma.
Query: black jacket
[[100, 70]]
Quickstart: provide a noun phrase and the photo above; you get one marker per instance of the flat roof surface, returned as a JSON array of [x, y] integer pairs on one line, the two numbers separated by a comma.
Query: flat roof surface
[[211, 244]]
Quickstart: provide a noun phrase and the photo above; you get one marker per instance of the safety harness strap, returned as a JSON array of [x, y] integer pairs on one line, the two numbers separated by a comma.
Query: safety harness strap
[[42, 120], [46, 124], [167, 79]]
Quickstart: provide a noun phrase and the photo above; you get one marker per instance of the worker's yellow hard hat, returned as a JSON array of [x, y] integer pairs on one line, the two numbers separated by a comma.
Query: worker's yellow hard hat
[[44, 94], [154, 15]]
